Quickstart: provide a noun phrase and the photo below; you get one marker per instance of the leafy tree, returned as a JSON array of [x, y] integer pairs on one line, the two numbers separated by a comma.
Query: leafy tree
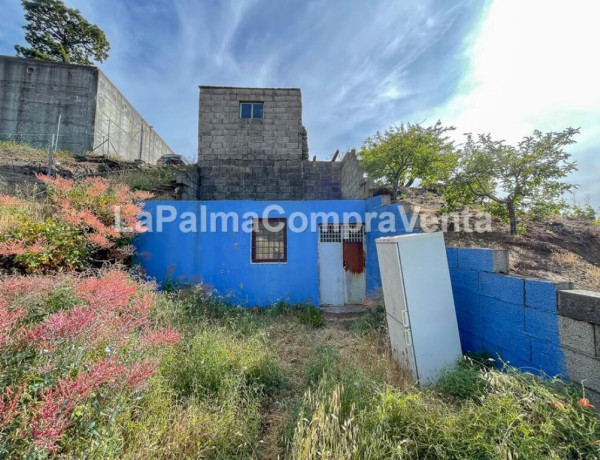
[[58, 33], [585, 211], [405, 153], [513, 180]]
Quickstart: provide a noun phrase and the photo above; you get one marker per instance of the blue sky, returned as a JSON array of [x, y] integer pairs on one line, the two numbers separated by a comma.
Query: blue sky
[[500, 66]]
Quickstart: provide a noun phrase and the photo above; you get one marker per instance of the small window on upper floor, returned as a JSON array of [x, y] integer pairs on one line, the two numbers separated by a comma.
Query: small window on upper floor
[[251, 109]]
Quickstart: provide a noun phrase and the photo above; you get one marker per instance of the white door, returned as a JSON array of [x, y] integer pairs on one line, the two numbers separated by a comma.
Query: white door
[[331, 268], [353, 259], [342, 278]]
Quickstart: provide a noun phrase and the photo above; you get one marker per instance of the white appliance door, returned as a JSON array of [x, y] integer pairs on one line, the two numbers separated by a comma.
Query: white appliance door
[[395, 306], [430, 303]]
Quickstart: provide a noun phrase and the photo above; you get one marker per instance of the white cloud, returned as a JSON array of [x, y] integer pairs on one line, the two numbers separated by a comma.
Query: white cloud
[[533, 65]]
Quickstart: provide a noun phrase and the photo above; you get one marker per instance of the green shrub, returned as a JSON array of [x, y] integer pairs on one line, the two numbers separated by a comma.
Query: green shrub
[[371, 322], [207, 364], [310, 315], [78, 223], [45, 245], [466, 381]]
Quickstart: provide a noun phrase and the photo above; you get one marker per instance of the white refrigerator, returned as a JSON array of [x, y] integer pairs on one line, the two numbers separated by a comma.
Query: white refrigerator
[[419, 304]]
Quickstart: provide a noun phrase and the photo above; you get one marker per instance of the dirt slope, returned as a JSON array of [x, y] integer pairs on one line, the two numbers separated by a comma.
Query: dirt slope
[[19, 164], [558, 248]]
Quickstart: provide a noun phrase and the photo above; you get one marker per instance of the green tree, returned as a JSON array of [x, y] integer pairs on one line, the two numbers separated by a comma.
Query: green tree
[[513, 180], [58, 33], [405, 153]]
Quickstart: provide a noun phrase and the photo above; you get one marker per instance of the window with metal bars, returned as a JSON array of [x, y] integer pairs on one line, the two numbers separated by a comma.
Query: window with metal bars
[[269, 240], [336, 233]]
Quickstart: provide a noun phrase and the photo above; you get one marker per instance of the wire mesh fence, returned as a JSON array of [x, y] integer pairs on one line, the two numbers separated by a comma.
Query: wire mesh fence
[[44, 140]]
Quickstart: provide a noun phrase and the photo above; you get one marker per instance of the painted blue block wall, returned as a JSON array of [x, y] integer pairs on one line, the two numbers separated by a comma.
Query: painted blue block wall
[[394, 223], [512, 317], [223, 259]]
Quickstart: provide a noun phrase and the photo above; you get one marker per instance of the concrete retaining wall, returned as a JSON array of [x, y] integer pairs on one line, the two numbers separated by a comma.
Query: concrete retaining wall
[[93, 111], [121, 129], [33, 94], [535, 325]]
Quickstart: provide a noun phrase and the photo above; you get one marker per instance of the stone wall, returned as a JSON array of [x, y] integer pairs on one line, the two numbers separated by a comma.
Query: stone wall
[[120, 130], [32, 95], [535, 325], [265, 179], [223, 134]]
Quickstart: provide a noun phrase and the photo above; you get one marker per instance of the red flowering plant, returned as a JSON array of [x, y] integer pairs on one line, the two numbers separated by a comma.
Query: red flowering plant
[[79, 225], [62, 371]]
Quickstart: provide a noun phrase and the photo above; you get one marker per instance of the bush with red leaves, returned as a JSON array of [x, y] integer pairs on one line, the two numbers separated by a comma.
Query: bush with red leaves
[[108, 342], [79, 225]]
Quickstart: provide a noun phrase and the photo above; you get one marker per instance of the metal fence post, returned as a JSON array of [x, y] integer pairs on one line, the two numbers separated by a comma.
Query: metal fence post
[[51, 156]]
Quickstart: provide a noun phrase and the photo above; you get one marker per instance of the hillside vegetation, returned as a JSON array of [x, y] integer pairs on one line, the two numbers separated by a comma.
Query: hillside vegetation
[[103, 366], [97, 363], [557, 247]]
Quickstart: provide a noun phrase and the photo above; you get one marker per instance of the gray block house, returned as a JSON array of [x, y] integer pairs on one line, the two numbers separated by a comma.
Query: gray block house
[[252, 145]]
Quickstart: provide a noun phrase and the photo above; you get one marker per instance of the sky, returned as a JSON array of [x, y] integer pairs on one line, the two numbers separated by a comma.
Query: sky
[[504, 67]]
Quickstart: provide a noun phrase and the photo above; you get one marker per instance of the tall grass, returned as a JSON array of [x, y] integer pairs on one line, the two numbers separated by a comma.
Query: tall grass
[[224, 386], [474, 412]]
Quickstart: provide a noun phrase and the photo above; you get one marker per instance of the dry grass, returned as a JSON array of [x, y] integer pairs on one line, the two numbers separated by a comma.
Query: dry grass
[[586, 274], [10, 216], [295, 345], [567, 259], [594, 275]]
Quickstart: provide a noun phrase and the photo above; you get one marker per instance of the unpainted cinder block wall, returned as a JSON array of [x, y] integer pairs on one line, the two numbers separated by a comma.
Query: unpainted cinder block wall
[[355, 186], [269, 180], [535, 325], [259, 159], [223, 134]]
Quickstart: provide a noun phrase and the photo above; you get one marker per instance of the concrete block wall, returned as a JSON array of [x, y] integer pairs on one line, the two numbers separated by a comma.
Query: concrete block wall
[[579, 328], [533, 324], [279, 135], [275, 179], [130, 136], [355, 186]]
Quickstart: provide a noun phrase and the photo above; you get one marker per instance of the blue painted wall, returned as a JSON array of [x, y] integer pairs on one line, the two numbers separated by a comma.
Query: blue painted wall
[[223, 259], [516, 318], [393, 223]]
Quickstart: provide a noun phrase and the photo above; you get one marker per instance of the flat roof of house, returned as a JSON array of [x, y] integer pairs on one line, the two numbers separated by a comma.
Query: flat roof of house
[[244, 87]]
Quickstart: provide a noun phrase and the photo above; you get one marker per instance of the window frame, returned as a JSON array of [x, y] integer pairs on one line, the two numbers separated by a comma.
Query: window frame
[[253, 255], [252, 104]]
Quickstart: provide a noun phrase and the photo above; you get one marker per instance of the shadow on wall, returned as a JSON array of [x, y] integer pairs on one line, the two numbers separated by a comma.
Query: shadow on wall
[[535, 325]]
